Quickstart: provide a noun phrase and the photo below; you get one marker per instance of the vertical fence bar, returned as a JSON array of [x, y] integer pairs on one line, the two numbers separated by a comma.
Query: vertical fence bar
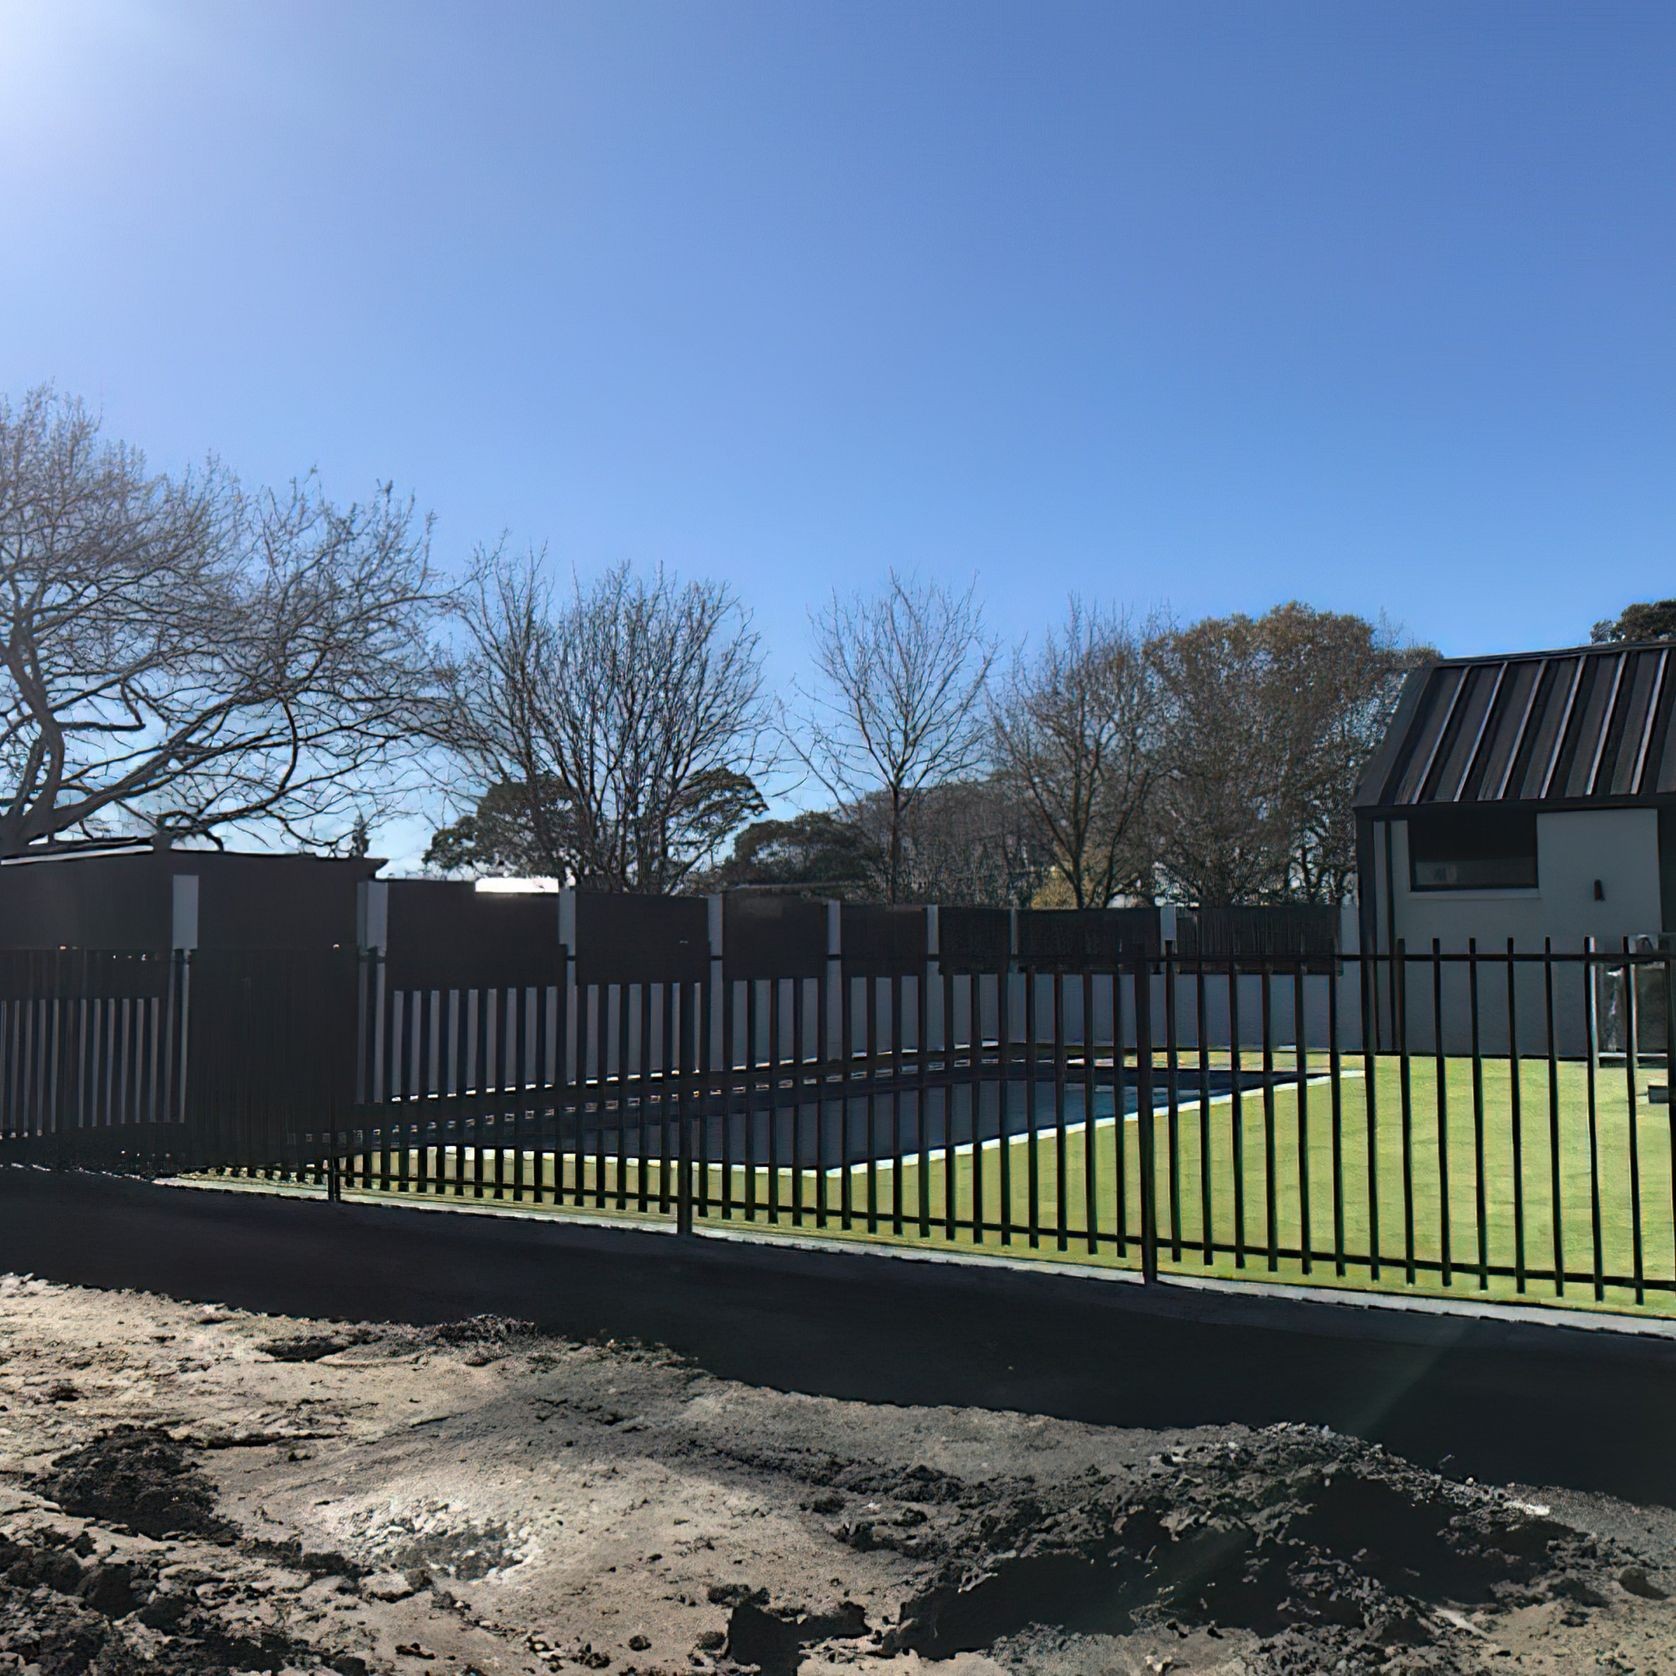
[[394, 1080], [1668, 970], [776, 1065], [422, 1173], [1120, 1111], [505, 1079], [870, 1062], [1033, 1176], [1207, 1223], [1370, 1094], [643, 1126], [716, 1000], [800, 1065], [1004, 1150], [602, 1089], [1090, 1088], [1236, 1112], [846, 1050], [1144, 1117], [823, 1062], [949, 1090], [671, 1141], [922, 1093], [1406, 1095], [1271, 1200], [1480, 1190], [1335, 1079], [896, 1077], [488, 1079], [974, 1081], [704, 1076], [1555, 1183], [1300, 1048], [465, 1085], [1172, 1098], [460, 1031], [625, 1040], [1060, 1160], [1440, 1070], [677, 1073], [1516, 1113], [533, 1107], [442, 1087], [1591, 1062], [449, 1175], [747, 1148], [1631, 1043], [735, 1070]]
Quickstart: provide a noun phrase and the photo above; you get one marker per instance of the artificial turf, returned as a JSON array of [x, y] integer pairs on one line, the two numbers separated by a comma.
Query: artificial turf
[[1075, 1194]]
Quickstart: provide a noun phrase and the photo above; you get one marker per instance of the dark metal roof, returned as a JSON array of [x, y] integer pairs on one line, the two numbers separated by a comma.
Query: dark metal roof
[[1581, 728]]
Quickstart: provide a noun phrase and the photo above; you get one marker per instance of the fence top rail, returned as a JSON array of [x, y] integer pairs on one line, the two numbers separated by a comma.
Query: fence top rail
[[1425, 955], [74, 951]]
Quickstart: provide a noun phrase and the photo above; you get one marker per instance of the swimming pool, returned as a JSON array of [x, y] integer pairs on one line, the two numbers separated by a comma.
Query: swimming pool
[[887, 1121]]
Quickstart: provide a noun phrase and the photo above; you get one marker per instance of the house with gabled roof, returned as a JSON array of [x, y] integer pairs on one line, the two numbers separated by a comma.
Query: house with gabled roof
[[1529, 797], [1526, 800]]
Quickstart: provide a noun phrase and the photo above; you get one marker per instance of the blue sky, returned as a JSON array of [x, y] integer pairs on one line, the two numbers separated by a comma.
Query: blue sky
[[1203, 306]]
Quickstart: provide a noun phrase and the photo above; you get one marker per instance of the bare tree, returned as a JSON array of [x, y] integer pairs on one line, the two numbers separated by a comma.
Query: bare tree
[[898, 706], [1270, 722], [622, 722], [179, 655], [1075, 734]]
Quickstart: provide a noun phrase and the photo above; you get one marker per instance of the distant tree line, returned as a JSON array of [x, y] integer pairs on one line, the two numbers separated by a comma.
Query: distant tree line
[[1112, 761], [184, 656], [622, 738]]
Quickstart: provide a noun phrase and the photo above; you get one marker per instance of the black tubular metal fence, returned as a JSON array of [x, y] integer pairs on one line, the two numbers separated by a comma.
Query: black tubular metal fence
[[1489, 1123]]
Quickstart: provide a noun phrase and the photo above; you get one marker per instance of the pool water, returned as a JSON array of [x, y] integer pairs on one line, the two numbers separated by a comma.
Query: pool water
[[886, 1123]]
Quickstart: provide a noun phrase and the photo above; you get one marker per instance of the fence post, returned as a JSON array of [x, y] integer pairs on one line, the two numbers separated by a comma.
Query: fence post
[[683, 1128], [344, 1066], [334, 1186], [1143, 1115]]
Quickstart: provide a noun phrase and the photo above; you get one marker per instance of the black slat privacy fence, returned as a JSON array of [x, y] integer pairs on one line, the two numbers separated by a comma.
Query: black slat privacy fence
[[1489, 1123]]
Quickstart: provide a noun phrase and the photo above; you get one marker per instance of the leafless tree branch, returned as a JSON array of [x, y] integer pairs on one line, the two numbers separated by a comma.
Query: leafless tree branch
[[627, 715], [897, 705], [183, 655]]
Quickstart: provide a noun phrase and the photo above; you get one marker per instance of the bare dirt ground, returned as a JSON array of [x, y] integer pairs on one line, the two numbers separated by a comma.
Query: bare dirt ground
[[195, 1489]]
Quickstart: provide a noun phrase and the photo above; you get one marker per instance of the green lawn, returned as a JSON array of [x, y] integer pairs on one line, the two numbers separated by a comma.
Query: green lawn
[[1286, 1157], [1517, 1200]]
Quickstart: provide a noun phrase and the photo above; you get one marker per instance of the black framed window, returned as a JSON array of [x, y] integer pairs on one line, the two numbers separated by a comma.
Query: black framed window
[[1472, 849]]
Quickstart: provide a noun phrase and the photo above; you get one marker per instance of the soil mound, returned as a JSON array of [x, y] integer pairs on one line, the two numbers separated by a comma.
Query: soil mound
[[137, 1478], [480, 1332], [1307, 1540], [65, 1613]]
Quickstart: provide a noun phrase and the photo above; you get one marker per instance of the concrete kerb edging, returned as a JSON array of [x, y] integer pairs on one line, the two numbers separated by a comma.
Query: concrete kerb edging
[[1312, 1310]]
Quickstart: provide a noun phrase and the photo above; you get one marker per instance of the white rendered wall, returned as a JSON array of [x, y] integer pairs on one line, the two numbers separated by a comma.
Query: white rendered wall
[[1575, 848]]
